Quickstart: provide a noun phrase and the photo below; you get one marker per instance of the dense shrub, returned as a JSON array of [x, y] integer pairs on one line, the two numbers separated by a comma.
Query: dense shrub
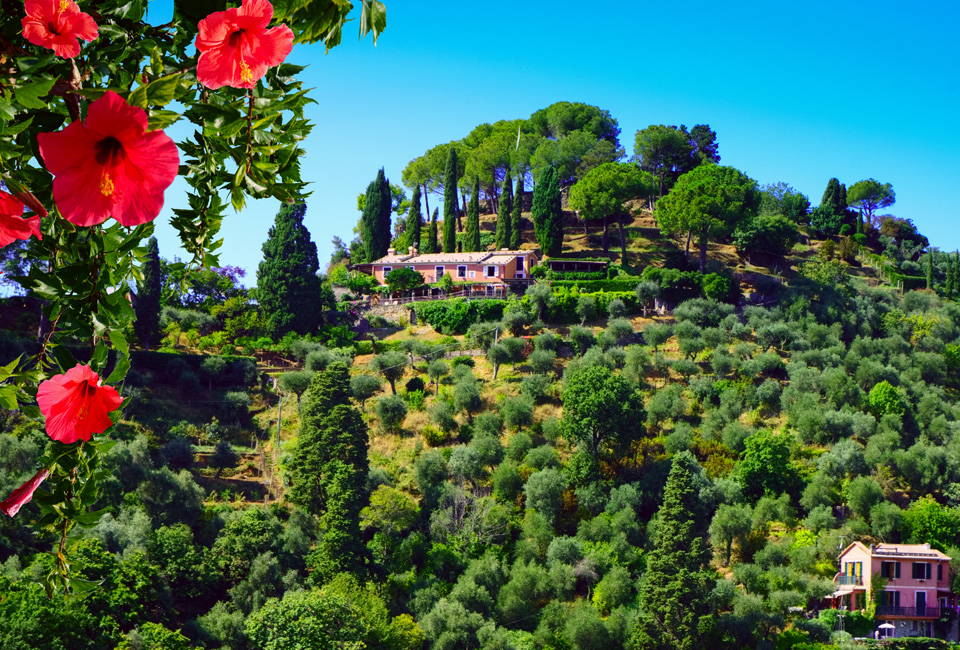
[[455, 315]]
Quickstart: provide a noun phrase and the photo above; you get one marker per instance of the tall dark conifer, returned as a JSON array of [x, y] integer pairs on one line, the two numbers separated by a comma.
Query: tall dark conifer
[[547, 213], [328, 469], [450, 180], [414, 222], [675, 591], [503, 213], [375, 220], [147, 325], [835, 196], [433, 245], [288, 290], [471, 239], [516, 237]]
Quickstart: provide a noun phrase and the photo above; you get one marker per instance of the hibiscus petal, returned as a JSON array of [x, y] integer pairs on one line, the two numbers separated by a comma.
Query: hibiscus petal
[[214, 30], [111, 115], [22, 495], [81, 25], [74, 146], [260, 10], [149, 169], [274, 46], [77, 193], [218, 67]]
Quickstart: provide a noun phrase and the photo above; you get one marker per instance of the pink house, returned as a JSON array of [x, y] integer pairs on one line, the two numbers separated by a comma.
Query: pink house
[[916, 589], [490, 272]]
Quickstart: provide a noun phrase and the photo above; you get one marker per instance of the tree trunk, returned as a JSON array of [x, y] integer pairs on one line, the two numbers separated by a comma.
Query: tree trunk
[[426, 197], [689, 233], [463, 196], [585, 231], [393, 386], [606, 246], [623, 242], [703, 252]]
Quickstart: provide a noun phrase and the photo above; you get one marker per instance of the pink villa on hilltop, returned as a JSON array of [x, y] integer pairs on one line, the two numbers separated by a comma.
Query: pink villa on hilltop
[[490, 273], [917, 588]]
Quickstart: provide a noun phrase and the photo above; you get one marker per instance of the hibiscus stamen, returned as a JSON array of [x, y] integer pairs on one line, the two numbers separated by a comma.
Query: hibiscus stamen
[[245, 73], [64, 4], [106, 185]]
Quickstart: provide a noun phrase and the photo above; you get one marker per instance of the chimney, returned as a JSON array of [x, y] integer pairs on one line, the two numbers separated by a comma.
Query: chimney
[[391, 251], [411, 250]]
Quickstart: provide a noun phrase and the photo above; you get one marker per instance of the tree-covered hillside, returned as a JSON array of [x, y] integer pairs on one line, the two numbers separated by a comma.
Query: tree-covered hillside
[[669, 453]]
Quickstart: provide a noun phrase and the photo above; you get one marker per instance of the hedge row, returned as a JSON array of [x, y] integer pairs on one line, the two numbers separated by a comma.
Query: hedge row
[[239, 371], [455, 315], [677, 286], [578, 275], [621, 283], [564, 309], [366, 347]]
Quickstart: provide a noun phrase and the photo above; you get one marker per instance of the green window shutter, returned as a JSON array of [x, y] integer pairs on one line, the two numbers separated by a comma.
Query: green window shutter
[[897, 572]]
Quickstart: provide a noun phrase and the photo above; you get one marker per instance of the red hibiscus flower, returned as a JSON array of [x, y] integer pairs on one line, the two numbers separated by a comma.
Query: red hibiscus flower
[[236, 48], [22, 495], [56, 25], [12, 225], [75, 404], [109, 166]]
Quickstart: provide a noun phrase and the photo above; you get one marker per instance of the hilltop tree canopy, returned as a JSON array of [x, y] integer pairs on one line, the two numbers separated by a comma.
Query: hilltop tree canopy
[[708, 201], [870, 196], [604, 192]]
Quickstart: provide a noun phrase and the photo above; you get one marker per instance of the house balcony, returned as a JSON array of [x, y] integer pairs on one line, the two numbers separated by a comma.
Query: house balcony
[[849, 581], [908, 612]]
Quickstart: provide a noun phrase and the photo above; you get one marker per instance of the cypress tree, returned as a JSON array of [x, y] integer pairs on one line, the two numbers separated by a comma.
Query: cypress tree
[[288, 289], [432, 243], [503, 214], [414, 222], [147, 325], [547, 213], [471, 240], [835, 196], [328, 469], [375, 219], [515, 216], [675, 590], [450, 180], [930, 270]]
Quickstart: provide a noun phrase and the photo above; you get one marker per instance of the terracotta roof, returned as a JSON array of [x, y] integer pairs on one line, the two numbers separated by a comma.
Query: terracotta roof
[[451, 258], [909, 551]]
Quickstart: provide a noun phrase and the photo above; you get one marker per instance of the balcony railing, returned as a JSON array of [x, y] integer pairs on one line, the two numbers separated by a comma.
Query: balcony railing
[[919, 612], [853, 581]]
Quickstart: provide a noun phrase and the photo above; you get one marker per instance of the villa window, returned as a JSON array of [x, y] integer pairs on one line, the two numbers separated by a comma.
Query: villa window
[[890, 570], [439, 271], [491, 272], [939, 571], [386, 270], [921, 571], [461, 271]]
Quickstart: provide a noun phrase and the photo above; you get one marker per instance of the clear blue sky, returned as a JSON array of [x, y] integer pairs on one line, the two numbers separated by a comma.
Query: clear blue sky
[[797, 92]]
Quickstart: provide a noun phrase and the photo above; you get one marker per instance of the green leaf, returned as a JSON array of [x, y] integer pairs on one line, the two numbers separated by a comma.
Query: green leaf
[[7, 370], [160, 119], [120, 371], [119, 341], [81, 586], [8, 397], [29, 96], [373, 18], [64, 359]]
